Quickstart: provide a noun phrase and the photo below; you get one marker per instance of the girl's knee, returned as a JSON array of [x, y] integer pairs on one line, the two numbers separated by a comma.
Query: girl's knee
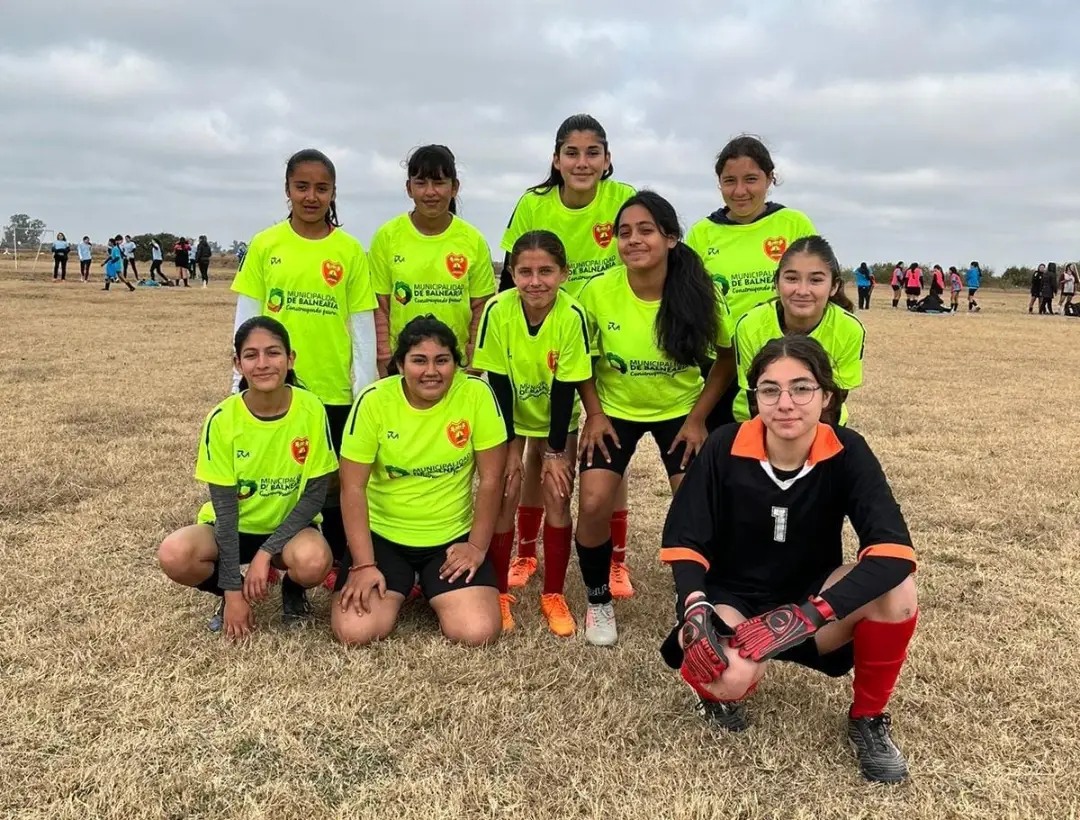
[[473, 631], [175, 555], [352, 629]]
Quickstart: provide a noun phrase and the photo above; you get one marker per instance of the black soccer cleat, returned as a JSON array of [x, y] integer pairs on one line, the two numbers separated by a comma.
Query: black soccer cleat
[[729, 716], [879, 759], [295, 609]]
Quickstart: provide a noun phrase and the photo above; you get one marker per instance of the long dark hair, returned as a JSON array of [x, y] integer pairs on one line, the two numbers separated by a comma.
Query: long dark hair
[[577, 122], [818, 246], [275, 329], [803, 349], [434, 162], [687, 323], [314, 155], [420, 328]]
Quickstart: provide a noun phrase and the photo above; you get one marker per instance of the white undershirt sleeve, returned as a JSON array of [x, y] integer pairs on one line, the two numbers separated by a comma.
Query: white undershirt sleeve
[[364, 350]]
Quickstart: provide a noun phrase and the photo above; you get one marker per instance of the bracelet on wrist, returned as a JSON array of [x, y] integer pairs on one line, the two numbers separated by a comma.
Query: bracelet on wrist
[[551, 455], [358, 567]]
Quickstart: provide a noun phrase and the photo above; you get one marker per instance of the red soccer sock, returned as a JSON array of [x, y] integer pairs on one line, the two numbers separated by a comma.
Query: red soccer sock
[[880, 650], [618, 536], [558, 542], [528, 528], [502, 543]]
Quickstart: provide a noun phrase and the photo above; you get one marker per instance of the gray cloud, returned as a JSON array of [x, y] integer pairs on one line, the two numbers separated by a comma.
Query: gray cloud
[[941, 131]]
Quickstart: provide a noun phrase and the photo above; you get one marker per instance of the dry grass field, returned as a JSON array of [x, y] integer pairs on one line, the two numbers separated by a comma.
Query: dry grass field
[[116, 702]]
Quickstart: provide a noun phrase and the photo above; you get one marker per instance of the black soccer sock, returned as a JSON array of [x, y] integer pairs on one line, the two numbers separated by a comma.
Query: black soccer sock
[[211, 584], [595, 565], [333, 530]]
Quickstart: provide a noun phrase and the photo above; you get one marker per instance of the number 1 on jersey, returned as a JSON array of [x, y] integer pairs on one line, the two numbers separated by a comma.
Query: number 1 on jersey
[[779, 532]]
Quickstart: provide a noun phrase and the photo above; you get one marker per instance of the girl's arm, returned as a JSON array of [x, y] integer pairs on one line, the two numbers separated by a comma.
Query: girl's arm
[[504, 395], [354, 511], [301, 515], [490, 465], [562, 409], [382, 334], [720, 376], [364, 347], [227, 535], [476, 305]]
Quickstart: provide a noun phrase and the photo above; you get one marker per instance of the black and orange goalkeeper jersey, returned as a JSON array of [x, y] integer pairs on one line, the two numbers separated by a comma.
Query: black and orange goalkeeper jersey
[[736, 524]]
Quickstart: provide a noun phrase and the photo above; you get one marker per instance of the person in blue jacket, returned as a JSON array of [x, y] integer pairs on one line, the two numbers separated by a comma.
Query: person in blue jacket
[[114, 264], [974, 280], [864, 284]]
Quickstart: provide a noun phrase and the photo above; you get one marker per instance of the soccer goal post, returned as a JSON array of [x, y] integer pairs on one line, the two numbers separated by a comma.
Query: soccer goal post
[[24, 248]]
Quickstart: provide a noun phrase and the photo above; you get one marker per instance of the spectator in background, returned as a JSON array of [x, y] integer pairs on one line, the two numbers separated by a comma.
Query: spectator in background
[[974, 281], [1049, 288], [864, 284], [86, 256], [955, 285], [60, 250], [1068, 287], [241, 252], [156, 258], [203, 254], [937, 280], [1036, 287], [181, 255], [128, 250], [897, 282], [913, 285]]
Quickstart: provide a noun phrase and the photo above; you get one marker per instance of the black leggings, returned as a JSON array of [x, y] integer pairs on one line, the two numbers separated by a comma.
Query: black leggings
[[155, 268], [204, 269], [59, 268], [84, 268], [134, 269], [864, 298]]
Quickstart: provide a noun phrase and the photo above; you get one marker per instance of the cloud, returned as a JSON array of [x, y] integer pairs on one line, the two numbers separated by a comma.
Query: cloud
[[941, 130]]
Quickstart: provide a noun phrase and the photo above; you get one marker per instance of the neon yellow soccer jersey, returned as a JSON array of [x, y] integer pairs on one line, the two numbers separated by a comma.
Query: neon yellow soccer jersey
[[311, 287], [420, 490], [742, 259], [560, 349], [840, 333], [431, 274], [269, 462], [635, 379], [587, 233]]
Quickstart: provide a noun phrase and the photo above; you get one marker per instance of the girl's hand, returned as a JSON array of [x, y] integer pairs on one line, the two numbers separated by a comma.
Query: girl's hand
[[514, 472], [461, 558], [255, 579], [597, 428], [359, 588], [692, 434], [239, 619], [557, 468]]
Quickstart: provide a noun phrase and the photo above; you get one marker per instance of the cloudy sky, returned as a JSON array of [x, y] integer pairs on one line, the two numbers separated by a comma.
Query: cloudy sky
[[937, 130]]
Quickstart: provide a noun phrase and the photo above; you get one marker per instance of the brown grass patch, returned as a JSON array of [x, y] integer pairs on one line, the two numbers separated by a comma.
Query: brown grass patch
[[116, 702]]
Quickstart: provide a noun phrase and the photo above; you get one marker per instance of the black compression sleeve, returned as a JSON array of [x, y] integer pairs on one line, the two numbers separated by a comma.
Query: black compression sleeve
[[504, 395], [562, 408], [869, 579], [307, 507], [689, 577], [227, 535], [506, 278]]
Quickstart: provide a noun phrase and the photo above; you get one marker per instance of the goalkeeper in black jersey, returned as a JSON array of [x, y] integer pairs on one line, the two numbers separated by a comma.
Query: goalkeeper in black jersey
[[753, 538]]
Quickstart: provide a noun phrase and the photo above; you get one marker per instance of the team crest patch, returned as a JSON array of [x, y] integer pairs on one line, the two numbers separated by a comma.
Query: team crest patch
[[299, 449], [775, 247], [458, 432], [245, 489], [553, 360], [603, 233], [275, 301], [332, 272], [402, 293], [457, 264]]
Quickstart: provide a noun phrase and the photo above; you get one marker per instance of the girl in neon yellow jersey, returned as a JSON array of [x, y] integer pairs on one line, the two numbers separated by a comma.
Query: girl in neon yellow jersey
[[812, 303], [412, 445], [430, 260], [741, 243], [658, 324], [313, 277], [577, 202], [266, 455], [534, 344]]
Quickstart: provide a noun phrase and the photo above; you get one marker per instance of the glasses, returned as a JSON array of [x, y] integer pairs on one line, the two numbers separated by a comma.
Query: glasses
[[800, 393]]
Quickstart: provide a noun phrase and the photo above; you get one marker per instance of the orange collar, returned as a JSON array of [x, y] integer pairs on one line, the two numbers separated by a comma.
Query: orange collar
[[750, 442]]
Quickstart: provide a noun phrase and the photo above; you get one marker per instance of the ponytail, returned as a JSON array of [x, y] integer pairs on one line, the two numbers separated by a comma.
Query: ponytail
[[687, 324]]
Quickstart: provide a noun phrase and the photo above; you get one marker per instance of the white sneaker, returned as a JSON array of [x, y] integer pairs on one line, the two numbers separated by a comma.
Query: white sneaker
[[600, 629]]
